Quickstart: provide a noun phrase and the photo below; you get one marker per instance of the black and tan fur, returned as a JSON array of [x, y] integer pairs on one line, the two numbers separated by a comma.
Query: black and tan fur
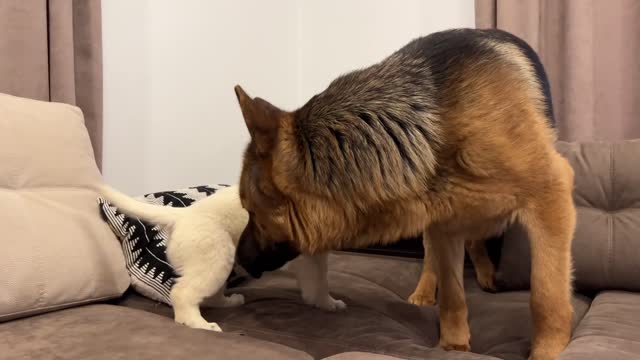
[[449, 136]]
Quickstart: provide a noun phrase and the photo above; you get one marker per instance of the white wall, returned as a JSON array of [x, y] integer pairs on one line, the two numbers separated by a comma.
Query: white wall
[[342, 35], [171, 117]]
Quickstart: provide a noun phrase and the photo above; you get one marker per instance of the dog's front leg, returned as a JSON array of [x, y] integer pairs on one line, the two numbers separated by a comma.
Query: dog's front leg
[[311, 272]]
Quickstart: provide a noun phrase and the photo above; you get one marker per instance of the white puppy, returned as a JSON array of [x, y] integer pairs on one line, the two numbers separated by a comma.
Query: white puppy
[[201, 247]]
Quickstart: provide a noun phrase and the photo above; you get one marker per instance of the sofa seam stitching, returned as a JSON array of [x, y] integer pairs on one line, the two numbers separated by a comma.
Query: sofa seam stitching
[[357, 276], [323, 340], [603, 336], [48, 188], [66, 305], [38, 263], [610, 217]]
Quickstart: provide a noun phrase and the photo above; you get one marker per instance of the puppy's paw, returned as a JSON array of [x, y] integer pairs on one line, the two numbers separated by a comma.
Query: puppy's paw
[[335, 305], [220, 301], [200, 324], [234, 300], [327, 303], [422, 299], [212, 327]]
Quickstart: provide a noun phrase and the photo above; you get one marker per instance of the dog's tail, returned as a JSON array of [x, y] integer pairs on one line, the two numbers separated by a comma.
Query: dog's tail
[[156, 214]]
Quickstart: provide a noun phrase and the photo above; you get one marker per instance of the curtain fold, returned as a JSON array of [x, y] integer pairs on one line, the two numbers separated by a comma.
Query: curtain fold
[[51, 50], [591, 51]]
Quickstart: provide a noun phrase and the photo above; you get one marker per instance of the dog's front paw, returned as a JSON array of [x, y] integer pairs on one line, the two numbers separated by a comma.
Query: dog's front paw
[[455, 347], [422, 299]]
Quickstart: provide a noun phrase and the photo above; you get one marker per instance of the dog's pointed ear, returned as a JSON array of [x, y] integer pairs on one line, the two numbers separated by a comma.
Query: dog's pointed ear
[[262, 119]]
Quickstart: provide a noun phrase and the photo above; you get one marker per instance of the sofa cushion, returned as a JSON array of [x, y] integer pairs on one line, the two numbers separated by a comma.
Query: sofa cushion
[[56, 251], [610, 330], [356, 355], [607, 198], [378, 318], [114, 332], [437, 355]]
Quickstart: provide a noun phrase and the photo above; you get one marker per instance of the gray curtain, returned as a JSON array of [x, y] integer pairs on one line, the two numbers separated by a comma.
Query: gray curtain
[[52, 50], [591, 50]]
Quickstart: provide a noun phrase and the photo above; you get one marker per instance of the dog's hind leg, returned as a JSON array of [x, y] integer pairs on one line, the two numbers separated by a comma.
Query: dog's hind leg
[[550, 221], [425, 292], [485, 271], [203, 272]]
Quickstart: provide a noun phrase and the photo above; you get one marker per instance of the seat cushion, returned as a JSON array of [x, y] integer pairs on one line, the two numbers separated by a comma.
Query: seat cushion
[[607, 199], [378, 318], [434, 355], [610, 330], [354, 355], [56, 251], [114, 332]]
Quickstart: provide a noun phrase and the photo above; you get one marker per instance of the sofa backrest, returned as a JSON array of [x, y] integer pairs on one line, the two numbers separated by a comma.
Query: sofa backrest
[[606, 245], [55, 250]]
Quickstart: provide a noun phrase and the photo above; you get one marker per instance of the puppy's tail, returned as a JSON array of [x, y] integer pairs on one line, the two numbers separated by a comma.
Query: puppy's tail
[[155, 214]]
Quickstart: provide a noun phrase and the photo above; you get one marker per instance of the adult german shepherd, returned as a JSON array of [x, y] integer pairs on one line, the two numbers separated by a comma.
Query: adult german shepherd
[[451, 136]]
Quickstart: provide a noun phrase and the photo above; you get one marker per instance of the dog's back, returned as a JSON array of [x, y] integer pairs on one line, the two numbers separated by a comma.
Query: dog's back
[[447, 110]]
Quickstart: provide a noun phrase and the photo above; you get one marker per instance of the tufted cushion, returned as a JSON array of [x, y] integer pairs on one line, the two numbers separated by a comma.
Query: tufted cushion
[[606, 244], [56, 251], [378, 318], [609, 330]]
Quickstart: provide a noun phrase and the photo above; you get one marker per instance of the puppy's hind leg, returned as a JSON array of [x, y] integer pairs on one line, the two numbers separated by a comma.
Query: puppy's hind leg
[[204, 271], [186, 300]]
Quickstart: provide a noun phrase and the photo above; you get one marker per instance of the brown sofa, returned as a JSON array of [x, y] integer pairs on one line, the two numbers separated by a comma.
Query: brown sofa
[[62, 289]]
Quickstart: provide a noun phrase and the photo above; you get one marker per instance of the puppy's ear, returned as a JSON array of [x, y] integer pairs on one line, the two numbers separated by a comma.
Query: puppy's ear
[[262, 120]]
